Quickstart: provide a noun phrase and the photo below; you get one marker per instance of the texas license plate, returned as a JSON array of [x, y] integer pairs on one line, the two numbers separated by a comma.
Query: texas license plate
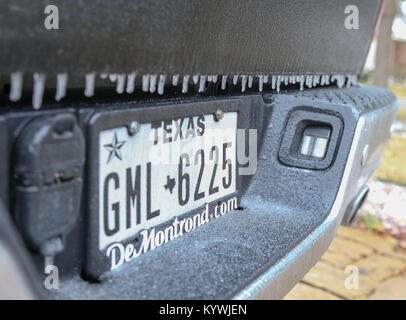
[[154, 173]]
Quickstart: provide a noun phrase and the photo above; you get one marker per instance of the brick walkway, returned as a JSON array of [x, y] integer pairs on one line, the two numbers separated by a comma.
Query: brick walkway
[[381, 267]]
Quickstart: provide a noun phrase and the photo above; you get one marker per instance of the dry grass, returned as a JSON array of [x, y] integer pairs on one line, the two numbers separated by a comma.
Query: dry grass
[[400, 92], [401, 115]]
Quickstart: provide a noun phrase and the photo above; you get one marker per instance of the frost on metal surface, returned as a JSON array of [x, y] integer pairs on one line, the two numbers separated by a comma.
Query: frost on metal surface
[[156, 83]]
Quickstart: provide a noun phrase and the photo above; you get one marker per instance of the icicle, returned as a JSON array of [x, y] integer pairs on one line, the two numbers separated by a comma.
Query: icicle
[[61, 83], [278, 84], [348, 81], [185, 83], [120, 83], [89, 84], [195, 79], [152, 83], [243, 83], [175, 80], [260, 83], [223, 82], [16, 86], [145, 82], [131, 82], [354, 80], [302, 81], [161, 84], [273, 82], [202, 83], [38, 90], [250, 81], [309, 80], [334, 79], [113, 77], [339, 79]]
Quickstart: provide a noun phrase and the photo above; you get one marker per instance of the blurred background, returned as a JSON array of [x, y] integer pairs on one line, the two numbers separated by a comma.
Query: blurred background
[[376, 243]]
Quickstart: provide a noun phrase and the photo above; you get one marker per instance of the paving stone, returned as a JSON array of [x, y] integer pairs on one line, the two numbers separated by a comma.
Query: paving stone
[[378, 267], [382, 244], [391, 289], [332, 279], [305, 292], [353, 250], [377, 262], [337, 259]]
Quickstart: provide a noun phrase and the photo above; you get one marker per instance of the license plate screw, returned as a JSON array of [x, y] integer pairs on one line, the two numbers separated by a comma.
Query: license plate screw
[[219, 115], [134, 127], [58, 176]]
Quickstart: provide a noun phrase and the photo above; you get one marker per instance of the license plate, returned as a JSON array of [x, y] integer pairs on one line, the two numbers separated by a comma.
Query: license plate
[[154, 173]]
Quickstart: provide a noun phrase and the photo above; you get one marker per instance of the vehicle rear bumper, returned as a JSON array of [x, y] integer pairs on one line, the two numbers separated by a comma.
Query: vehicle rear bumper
[[289, 215], [287, 218]]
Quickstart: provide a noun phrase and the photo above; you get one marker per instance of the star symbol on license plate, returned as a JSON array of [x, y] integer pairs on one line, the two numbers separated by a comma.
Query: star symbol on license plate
[[170, 184], [114, 148]]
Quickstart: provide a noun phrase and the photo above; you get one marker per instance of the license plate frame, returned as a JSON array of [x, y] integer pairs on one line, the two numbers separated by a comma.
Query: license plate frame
[[96, 261]]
